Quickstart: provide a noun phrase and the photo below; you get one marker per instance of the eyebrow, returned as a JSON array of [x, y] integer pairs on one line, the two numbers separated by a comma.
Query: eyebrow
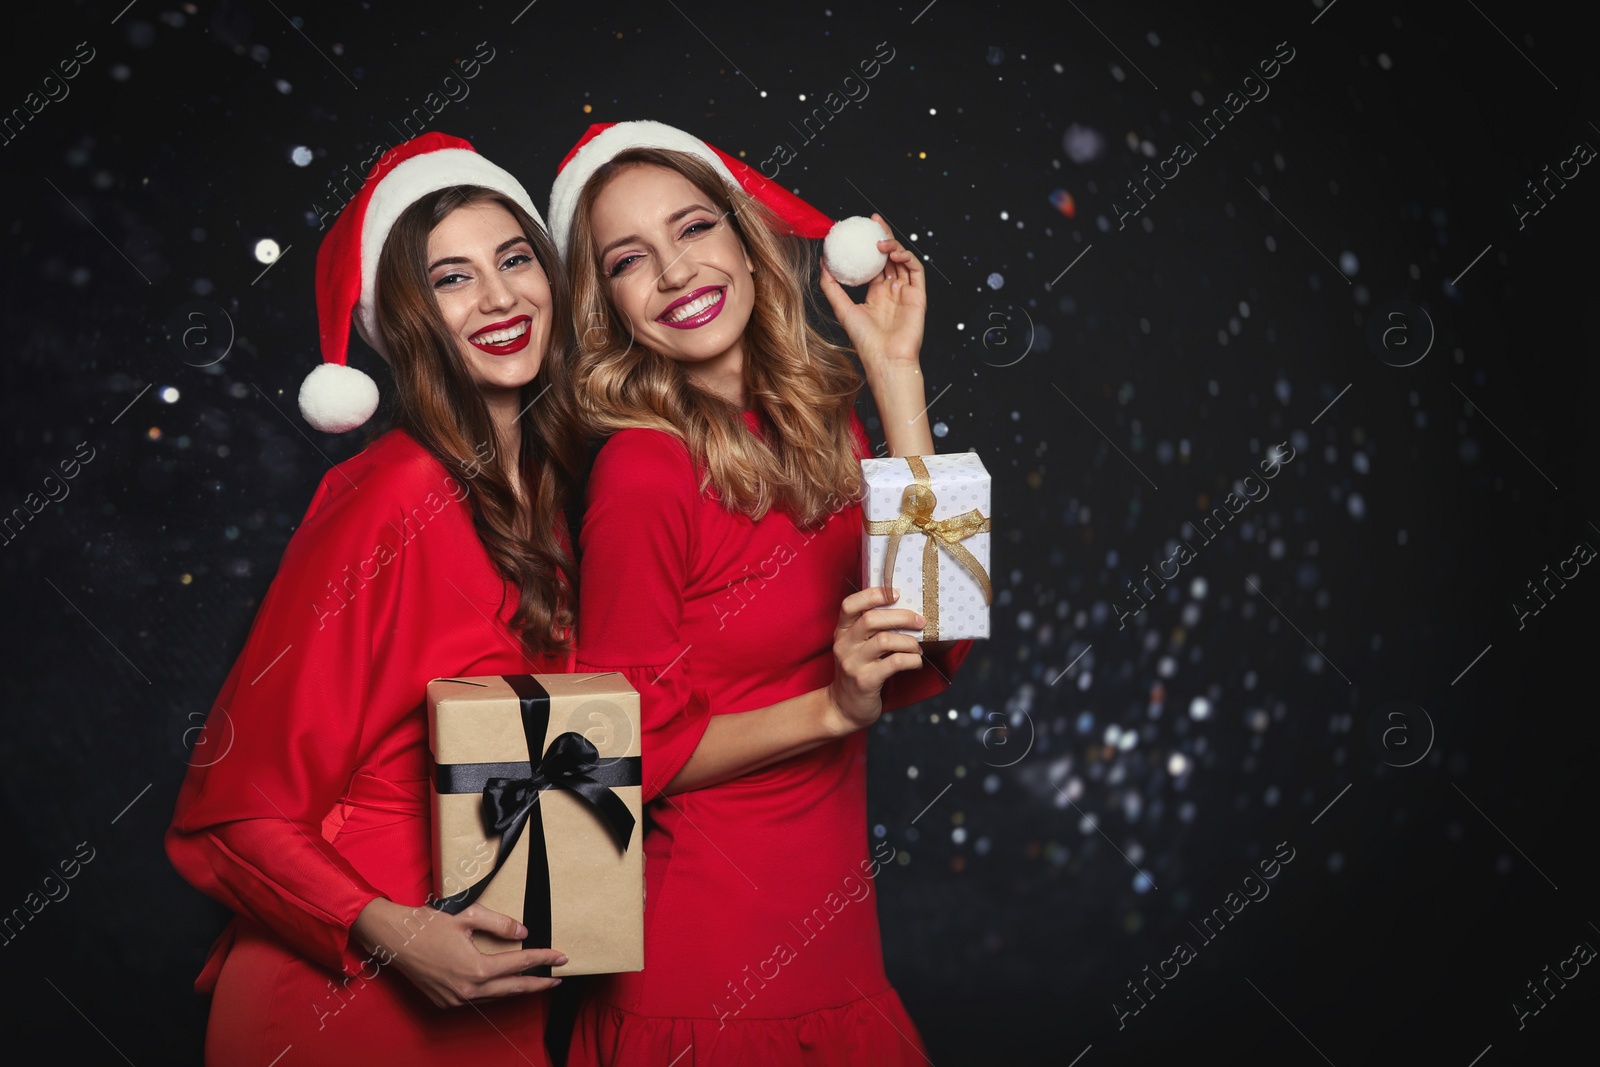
[[674, 217], [518, 239]]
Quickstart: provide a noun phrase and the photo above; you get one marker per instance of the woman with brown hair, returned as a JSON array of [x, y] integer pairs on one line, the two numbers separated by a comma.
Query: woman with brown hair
[[719, 551], [439, 550]]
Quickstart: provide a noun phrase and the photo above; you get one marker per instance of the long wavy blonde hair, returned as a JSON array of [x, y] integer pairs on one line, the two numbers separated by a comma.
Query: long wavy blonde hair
[[803, 385]]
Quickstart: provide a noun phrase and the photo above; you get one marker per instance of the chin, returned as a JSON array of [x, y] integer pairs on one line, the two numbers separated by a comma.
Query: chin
[[489, 372], [504, 379], [523, 377], [696, 349]]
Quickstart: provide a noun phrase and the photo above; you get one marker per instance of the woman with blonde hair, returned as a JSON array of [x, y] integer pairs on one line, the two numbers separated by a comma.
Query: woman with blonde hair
[[718, 555]]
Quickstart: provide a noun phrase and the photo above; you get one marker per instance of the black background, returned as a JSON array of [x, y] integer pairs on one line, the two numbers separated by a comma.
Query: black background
[[1385, 560]]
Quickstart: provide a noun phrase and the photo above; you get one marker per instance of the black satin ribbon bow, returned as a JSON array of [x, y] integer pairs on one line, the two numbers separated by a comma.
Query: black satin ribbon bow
[[570, 763], [511, 791]]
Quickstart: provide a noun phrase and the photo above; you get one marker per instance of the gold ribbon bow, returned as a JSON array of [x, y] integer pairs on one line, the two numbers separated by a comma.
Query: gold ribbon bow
[[916, 513]]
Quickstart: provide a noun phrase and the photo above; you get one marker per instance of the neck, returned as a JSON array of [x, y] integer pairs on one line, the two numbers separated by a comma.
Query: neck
[[722, 376]]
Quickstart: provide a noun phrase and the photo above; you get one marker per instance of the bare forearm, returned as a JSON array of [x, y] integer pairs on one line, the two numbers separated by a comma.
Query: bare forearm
[[375, 925], [737, 744], [899, 392]]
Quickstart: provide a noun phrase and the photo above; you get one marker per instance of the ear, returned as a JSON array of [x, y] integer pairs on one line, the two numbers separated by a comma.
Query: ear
[[749, 264]]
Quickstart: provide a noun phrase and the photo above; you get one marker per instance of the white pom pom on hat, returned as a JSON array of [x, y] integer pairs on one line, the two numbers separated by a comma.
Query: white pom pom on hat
[[850, 247], [851, 250], [336, 397]]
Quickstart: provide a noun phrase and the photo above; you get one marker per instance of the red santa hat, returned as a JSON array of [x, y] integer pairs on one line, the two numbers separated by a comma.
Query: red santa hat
[[850, 247], [336, 397]]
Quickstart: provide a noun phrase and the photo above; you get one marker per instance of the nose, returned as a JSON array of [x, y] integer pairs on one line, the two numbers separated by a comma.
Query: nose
[[496, 294], [677, 272]]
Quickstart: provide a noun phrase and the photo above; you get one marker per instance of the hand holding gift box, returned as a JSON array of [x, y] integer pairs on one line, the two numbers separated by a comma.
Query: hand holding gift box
[[536, 806], [926, 534]]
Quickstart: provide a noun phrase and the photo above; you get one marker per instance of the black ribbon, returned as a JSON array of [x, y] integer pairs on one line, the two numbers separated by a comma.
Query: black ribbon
[[511, 790]]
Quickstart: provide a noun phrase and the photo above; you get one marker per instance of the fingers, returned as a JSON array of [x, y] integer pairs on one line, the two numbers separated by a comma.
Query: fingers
[[887, 620], [838, 299], [860, 661], [897, 252], [459, 994], [856, 603], [894, 268], [478, 917], [890, 247], [873, 676], [517, 986], [913, 268], [864, 614], [506, 964], [498, 964], [900, 661], [903, 265], [891, 641]]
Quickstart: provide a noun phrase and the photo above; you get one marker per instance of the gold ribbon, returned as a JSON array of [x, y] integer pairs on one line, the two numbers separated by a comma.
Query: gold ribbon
[[916, 513]]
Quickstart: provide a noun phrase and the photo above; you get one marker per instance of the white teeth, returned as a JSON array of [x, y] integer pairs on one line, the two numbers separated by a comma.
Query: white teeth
[[500, 337], [694, 307]]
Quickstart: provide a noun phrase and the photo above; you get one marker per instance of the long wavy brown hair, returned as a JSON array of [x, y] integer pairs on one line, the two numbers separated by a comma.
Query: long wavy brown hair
[[803, 385], [438, 404]]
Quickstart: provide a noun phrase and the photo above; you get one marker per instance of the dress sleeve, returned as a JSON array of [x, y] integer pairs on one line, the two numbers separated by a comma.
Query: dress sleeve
[[938, 670], [288, 729], [636, 548]]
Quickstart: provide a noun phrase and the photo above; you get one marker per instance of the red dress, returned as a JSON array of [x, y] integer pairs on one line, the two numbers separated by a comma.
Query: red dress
[[307, 796], [761, 927]]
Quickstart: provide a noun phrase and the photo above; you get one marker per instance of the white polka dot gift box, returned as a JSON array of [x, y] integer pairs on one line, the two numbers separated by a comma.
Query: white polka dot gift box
[[925, 521]]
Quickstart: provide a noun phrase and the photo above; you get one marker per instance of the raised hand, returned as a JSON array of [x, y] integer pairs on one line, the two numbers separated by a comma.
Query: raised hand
[[885, 329]]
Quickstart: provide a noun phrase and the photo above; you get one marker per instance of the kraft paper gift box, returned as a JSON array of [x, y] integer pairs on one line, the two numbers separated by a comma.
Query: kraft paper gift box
[[926, 522], [555, 842]]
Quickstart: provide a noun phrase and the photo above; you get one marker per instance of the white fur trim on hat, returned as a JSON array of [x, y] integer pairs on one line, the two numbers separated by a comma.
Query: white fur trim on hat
[[850, 250], [605, 146], [335, 398], [403, 186]]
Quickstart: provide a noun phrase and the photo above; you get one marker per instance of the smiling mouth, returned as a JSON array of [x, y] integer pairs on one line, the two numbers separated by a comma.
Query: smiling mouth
[[694, 310], [503, 338]]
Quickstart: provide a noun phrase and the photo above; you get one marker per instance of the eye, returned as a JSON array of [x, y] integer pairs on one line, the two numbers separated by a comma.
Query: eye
[[621, 265], [699, 227], [515, 260], [448, 281]]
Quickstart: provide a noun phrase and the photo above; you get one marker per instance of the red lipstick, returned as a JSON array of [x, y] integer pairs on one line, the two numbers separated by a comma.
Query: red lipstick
[[701, 317], [505, 347]]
